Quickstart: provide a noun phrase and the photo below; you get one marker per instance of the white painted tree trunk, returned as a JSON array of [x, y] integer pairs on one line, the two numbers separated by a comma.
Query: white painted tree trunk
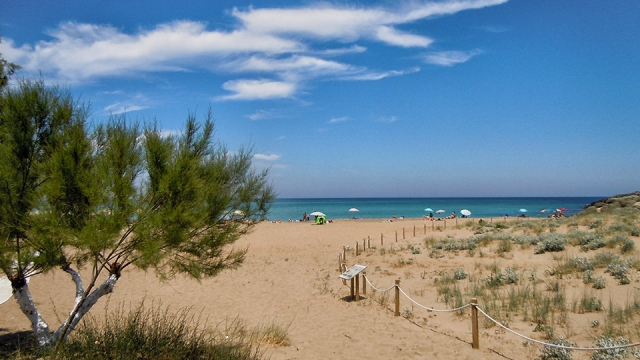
[[40, 327], [44, 337]]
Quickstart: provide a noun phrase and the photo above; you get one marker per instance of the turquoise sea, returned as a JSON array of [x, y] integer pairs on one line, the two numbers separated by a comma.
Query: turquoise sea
[[384, 208]]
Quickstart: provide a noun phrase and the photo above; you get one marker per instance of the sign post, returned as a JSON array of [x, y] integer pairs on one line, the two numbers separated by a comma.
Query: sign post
[[350, 274]]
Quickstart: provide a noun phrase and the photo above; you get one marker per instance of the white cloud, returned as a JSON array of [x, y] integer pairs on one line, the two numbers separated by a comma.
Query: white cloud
[[388, 119], [293, 68], [355, 49], [120, 108], [247, 89], [83, 51], [450, 58], [270, 157], [394, 37], [261, 115], [286, 44], [381, 75], [135, 103], [338, 120], [170, 133]]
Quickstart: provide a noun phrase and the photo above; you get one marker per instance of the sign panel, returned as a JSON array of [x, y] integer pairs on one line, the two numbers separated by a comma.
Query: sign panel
[[355, 270]]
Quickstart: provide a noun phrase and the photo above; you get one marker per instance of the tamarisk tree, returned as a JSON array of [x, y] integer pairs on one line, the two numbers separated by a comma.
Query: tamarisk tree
[[113, 196]]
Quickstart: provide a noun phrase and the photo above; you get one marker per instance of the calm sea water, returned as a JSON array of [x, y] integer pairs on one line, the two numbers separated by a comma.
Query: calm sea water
[[380, 208]]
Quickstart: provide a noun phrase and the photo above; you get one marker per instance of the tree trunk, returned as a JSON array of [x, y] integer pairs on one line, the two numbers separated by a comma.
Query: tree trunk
[[83, 303], [40, 327]]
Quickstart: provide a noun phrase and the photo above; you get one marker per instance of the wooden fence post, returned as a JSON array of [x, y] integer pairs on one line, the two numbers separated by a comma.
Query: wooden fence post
[[352, 288], [344, 254], [397, 298], [339, 262], [425, 229], [357, 248], [368, 242], [364, 245], [357, 287], [414, 231], [364, 283], [403, 236], [474, 323], [396, 236]]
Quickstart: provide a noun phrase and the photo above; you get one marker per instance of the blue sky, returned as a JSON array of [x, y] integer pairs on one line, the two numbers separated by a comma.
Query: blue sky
[[366, 98]]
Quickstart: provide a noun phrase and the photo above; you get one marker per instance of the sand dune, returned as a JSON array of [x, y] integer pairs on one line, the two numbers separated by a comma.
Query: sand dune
[[290, 277]]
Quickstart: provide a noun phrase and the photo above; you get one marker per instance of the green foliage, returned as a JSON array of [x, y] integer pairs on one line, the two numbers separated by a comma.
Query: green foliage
[[460, 274], [611, 354], [553, 353], [6, 70], [119, 194], [599, 283], [619, 270], [551, 243], [156, 334]]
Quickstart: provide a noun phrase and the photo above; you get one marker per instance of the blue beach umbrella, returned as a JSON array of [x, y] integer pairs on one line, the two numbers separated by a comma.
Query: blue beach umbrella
[[428, 209]]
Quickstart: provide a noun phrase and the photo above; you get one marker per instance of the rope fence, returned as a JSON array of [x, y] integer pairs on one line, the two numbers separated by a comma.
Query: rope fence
[[474, 317]]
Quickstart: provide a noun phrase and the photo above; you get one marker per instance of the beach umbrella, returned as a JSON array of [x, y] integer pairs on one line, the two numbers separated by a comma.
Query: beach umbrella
[[317, 213], [523, 210], [354, 210], [238, 212], [440, 211], [465, 212], [5, 289], [428, 209]]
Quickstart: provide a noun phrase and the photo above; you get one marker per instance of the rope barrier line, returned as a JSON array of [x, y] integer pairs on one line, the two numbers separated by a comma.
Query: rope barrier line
[[504, 327], [375, 288], [554, 345], [432, 309]]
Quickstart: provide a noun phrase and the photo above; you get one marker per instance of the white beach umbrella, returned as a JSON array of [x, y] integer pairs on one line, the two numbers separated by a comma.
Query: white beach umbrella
[[5, 289], [317, 213], [440, 211], [354, 210], [523, 210], [465, 212]]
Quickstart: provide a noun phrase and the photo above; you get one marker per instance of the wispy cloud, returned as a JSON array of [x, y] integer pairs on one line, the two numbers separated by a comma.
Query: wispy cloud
[[381, 75], [338, 120], [286, 45], [450, 58], [265, 157], [135, 103], [262, 115], [388, 119], [248, 89]]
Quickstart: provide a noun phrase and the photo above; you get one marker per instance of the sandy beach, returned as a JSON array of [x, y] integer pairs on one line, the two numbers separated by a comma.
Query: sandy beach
[[290, 277]]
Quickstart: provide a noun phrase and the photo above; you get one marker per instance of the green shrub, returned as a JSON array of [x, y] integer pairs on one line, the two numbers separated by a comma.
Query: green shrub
[[551, 243], [599, 283], [619, 270], [155, 334], [553, 353], [460, 274], [611, 354], [591, 241]]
